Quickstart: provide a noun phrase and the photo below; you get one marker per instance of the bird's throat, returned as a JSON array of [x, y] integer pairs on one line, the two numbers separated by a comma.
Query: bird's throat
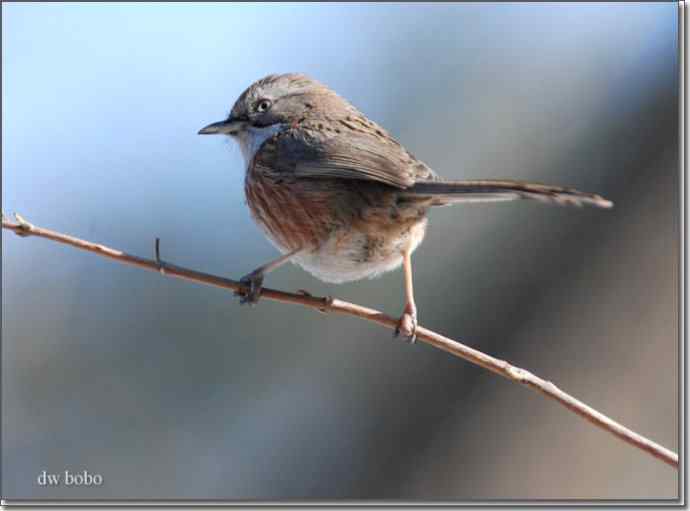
[[252, 138]]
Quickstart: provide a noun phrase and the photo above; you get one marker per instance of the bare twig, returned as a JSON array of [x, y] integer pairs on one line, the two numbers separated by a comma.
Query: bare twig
[[328, 304]]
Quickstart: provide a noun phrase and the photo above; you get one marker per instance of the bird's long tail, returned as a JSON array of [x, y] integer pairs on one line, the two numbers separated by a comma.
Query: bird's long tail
[[443, 193]]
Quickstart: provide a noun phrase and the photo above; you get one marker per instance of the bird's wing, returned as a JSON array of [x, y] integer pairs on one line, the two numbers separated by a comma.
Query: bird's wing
[[341, 149]]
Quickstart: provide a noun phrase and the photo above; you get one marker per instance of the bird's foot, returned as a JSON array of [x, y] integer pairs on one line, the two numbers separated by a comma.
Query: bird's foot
[[251, 292], [407, 326]]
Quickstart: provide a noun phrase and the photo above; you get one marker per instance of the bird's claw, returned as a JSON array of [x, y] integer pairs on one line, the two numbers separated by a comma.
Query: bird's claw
[[251, 291], [407, 328]]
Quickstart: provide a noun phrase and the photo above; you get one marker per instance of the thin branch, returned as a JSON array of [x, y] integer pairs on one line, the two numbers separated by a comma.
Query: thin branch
[[328, 304]]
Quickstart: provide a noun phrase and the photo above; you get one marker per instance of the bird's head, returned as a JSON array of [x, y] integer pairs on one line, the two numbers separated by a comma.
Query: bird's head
[[273, 104], [273, 100]]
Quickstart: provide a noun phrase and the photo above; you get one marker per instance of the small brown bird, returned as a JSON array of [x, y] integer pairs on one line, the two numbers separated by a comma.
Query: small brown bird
[[337, 194]]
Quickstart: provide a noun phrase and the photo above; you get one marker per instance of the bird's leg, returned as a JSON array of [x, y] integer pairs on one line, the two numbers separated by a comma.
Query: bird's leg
[[407, 325], [253, 281]]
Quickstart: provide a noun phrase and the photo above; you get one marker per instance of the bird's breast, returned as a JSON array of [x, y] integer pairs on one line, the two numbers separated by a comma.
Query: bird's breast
[[291, 216]]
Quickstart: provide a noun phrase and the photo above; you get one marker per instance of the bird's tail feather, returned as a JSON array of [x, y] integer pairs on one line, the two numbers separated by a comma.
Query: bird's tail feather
[[443, 193]]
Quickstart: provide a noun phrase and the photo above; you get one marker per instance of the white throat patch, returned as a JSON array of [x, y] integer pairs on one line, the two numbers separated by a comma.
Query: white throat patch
[[251, 139]]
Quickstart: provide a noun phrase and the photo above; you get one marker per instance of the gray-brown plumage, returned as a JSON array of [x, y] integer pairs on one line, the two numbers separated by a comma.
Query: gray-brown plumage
[[337, 194]]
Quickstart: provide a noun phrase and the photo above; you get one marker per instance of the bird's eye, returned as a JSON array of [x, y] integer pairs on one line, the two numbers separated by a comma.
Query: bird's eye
[[263, 105]]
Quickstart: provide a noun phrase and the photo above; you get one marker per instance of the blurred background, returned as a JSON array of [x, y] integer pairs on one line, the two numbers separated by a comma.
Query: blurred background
[[171, 390]]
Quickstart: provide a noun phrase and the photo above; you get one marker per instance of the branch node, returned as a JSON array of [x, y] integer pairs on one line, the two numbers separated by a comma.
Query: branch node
[[159, 263], [327, 304], [519, 375], [25, 227], [326, 300]]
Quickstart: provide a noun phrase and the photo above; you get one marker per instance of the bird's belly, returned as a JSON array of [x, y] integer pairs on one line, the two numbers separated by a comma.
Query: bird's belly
[[354, 254]]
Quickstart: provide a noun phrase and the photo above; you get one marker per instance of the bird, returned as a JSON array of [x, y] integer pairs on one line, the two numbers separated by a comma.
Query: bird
[[339, 196]]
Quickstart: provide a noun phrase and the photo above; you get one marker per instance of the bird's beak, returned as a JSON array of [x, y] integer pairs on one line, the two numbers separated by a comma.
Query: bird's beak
[[228, 127]]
